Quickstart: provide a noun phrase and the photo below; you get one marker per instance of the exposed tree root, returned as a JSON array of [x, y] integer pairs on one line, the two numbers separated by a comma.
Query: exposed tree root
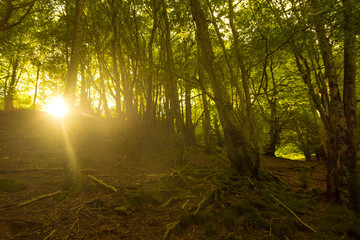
[[292, 212], [181, 176], [169, 201], [38, 198], [184, 205], [49, 236], [213, 196], [71, 228], [169, 230]]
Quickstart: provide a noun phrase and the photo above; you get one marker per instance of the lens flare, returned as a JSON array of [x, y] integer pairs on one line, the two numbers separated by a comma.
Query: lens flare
[[57, 108]]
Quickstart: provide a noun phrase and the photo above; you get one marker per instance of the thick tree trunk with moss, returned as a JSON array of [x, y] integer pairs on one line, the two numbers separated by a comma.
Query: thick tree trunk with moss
[[340, 127], [243, 155], [350, 101]]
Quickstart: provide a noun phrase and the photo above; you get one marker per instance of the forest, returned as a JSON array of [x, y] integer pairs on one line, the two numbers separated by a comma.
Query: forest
[[170, 119]]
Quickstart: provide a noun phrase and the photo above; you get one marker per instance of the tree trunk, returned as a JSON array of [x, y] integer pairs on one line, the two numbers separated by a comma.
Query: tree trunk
[[342, 180], [71, 169], [189, 127], [219, 138], [349, 95], [36, 86], [171, 79], [243, 156], [115, 66], [10, 92], [209, 138], [70, 89], [150, 108], [84, 101]]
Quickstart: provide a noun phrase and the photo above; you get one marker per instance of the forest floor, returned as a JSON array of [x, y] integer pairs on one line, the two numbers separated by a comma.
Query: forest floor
[[154, 198]]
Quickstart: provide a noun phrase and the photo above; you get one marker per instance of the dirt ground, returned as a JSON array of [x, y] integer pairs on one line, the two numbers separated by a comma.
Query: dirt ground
[[32, 152]]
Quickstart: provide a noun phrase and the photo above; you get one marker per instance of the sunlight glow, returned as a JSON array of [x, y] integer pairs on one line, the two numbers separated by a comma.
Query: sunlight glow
[[57, 108]]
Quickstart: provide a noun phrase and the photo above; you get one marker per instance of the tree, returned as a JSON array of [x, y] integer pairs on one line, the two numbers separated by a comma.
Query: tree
[[71, 80], [243, 155], [337, 111], [71, 169], [12, 13]]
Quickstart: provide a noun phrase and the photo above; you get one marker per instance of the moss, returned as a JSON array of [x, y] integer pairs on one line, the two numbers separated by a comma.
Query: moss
[[241, 209], [340, 222], [254, 221], [173, 183], [226, 219], [283, 228], [255, 201], [142, 198], [196, 173], [228, 236], [317, 191], [210, 230], [11, 185], [199, 188], [197, 219], [124, 209]]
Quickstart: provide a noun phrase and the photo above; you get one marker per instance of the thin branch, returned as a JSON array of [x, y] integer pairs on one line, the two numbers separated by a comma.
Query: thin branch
[[38, 198]]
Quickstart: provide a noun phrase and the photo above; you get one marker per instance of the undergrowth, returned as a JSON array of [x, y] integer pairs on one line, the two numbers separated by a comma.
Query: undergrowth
[[237, 207]]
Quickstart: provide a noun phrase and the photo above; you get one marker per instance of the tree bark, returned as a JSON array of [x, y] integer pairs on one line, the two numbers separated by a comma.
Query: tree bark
[[150, 108], [209, 138], [36, 86], [342, 180], [84, 101], [171, 79], [115, 47], [71, 81], [243, 156], [71, 168], [10, 92], [349, 95]]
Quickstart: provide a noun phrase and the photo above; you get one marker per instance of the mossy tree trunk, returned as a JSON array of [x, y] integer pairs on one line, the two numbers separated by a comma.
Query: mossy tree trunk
[[337, 113], [242, 153], [209, 138], [342, 180]]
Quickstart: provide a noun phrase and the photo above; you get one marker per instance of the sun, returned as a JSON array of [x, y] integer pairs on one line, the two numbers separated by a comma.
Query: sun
[[57, 108]]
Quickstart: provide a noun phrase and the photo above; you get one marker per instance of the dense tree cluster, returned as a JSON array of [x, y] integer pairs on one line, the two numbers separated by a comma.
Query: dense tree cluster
[[255, 76]]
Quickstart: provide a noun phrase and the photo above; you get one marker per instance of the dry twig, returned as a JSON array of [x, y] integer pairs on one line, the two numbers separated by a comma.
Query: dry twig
[[38, 198]]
